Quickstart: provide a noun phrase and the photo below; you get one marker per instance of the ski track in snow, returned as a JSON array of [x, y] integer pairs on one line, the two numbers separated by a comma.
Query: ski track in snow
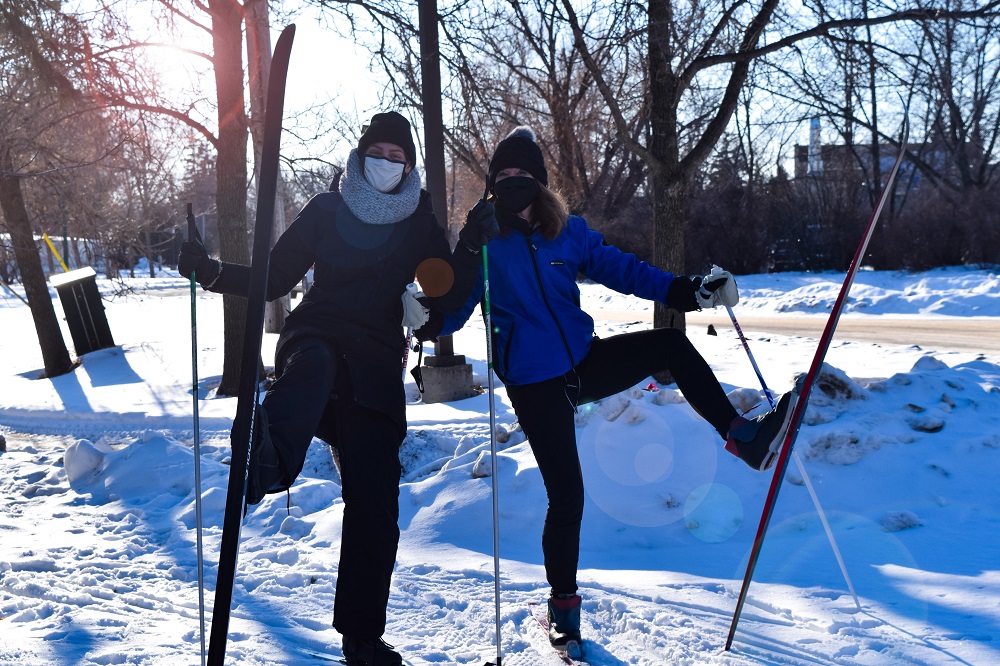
[[98, 561]]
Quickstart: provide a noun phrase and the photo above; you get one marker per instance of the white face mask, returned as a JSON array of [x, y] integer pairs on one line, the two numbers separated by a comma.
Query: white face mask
[[383, 174]]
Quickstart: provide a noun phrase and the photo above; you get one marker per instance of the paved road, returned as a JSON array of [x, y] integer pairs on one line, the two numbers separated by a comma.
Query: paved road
[[953, 334]]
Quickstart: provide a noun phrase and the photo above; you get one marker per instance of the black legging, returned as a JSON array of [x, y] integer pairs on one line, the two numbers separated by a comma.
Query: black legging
[[545, 411]]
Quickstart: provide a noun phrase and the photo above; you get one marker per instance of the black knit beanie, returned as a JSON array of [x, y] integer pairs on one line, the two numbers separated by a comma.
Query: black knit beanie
[[519, 150], [389, 127]]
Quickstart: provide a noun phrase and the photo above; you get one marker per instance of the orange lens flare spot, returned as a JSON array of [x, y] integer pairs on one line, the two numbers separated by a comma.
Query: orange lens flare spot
[[435, 277]]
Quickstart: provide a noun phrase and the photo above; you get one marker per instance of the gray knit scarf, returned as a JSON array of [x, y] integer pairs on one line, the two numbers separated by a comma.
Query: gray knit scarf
[[374, 207]]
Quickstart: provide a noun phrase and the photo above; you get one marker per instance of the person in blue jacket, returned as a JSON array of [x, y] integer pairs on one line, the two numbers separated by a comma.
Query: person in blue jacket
[[547, 355]]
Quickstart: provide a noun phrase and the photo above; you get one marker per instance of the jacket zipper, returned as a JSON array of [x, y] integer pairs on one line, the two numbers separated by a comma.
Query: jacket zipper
[[545, 299]]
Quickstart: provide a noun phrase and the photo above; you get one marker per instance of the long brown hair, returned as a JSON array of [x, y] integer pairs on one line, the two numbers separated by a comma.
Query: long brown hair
[[549, 212]]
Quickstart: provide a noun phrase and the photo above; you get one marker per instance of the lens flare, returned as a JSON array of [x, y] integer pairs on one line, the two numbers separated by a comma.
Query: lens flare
[[713, 512], [639, 473]]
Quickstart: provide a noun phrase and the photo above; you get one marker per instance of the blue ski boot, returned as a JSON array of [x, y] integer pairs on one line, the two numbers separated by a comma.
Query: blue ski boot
[[564, 624]]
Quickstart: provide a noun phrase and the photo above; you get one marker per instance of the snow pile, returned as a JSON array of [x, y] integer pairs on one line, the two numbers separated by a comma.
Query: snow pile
[[956, 292], [902, 409]]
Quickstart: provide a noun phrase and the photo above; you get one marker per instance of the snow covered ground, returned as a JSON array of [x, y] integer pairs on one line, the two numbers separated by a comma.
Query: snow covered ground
[[97, 534]]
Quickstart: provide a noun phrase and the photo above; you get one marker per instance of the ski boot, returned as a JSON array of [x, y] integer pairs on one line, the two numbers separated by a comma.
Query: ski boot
[[369, 652], [757, 442], [564, 624]]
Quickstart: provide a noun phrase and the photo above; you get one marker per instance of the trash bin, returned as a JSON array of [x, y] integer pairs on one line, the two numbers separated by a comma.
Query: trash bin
[[84, 309]]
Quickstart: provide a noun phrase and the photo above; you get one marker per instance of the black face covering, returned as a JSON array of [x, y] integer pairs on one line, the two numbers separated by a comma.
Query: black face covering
[[516, 192]]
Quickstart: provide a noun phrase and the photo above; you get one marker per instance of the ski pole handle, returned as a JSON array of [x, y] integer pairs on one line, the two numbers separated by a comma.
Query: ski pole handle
[[193, 234]]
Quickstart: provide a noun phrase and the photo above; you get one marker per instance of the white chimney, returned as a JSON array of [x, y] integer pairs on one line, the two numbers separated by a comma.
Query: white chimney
[[815, 160]]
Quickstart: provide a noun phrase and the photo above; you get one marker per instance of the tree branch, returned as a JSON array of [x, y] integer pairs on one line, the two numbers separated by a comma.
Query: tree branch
[[139, 45], [821, 29], [165, 111], [730, 97], [609, 97]]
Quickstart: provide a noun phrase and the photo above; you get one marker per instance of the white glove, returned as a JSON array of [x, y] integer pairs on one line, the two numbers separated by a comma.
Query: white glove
[[415, 314], [718, 288]]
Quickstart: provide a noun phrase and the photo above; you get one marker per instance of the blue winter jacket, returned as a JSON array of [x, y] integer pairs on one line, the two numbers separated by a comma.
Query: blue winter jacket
[[540, 332]]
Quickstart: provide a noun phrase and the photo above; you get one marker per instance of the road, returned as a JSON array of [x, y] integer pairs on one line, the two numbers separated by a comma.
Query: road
[[952, 334]]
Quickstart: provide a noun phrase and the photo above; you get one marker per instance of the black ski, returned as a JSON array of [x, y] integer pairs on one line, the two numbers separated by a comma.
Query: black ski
[[805, 383], [240, 437]]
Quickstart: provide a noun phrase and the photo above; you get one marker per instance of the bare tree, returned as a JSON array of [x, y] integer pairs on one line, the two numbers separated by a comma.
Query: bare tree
[[513, 63], [223, 22], [54, 353], [950, 85], [37, 62], [694, 49], [957, 76]]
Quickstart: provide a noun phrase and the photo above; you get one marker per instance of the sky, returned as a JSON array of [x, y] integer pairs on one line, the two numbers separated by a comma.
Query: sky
[[98, 563], [326, 69]]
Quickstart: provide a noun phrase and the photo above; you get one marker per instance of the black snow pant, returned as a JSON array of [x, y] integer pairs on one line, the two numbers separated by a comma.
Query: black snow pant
[[546, 410], [368, 445]]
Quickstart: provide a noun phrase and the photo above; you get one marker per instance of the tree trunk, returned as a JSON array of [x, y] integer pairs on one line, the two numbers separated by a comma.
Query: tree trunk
[[875, 185], [50, 338], [259, 67], [667, 186], [149, 252], [669, 213], [231, 174], [258, 71]]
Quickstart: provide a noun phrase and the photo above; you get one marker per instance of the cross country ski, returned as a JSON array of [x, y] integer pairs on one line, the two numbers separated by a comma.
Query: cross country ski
[[805, 383], [240, 437]]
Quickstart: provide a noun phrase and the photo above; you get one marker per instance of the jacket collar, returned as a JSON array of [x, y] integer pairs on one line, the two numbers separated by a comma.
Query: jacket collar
[[511, 222]]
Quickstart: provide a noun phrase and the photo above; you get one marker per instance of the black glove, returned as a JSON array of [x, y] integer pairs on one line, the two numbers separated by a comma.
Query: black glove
[[432, 328], [682, 294], [194, 258], [481, 226]]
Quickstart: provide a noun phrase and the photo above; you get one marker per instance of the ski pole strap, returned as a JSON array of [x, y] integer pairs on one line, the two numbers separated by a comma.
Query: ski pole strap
[[418, 376]]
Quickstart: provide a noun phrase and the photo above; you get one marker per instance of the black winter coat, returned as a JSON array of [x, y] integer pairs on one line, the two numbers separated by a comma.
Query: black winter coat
[[361, 272]]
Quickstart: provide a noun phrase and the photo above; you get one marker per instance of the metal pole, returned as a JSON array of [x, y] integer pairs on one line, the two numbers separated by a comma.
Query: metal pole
[[62, 206], [430, 97], [430, 84], [192, 236], [493, 451]]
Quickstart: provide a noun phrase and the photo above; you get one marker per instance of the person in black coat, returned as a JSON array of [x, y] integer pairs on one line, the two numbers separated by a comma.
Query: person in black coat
[[337, 362]]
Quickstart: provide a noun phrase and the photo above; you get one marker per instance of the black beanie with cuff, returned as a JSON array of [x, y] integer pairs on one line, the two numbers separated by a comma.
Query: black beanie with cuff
[[390, 127], [519, 151]]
